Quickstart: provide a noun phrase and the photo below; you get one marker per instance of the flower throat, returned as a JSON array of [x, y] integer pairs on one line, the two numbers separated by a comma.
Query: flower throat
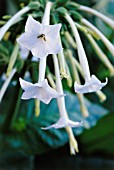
[[42, 36]]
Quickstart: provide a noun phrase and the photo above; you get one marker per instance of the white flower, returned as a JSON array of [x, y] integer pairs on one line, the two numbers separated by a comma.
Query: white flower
[[40, 39], [64, 122], [41, 91], [94, 84]]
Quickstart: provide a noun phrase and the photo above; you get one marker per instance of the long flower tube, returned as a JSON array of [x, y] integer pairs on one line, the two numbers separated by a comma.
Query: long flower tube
[[107, 43], [101, 54], [72, 141], [70, 39], [103, 17], [11, 21], [62, 62], [6, 83], [45, 21], [69, 78], [83, 107], [92, 83], [12, 59], [42, 63], [92, 11], [63, 120], [97, 49]]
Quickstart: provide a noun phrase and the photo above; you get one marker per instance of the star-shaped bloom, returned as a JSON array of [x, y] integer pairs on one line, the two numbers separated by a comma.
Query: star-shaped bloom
[[40, 39], [41, 91], [94, 84], [63, 122]]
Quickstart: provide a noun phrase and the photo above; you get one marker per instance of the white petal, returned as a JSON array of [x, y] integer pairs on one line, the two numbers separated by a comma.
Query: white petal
[[91, 86], [53, 46], [27, 40], [39, 50], [24, 52], [29, 93], [41, 91], [33, 26], [24, 84], [52, 92], [74, 124], [46, 92], [52, 30], [63, 122]]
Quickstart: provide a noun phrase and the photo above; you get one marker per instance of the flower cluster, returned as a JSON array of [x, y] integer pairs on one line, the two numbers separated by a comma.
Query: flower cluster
[[42, 41]]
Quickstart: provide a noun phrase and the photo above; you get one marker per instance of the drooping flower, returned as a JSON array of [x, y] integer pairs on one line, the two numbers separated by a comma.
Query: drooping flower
[[64, 122], [92, 83], [40, 39], [41, 91]]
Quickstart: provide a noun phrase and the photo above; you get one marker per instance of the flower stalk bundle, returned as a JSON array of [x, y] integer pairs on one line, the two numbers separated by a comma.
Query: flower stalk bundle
[[54, 35]]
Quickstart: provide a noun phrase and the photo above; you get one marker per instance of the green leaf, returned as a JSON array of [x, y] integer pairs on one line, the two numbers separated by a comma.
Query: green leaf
[[99, 139], [27, 135]]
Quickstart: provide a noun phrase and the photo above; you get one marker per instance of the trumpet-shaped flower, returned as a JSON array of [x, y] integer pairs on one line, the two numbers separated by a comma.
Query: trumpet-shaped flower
[[94, 84], [64, 122], [41, 91], [40, 39]]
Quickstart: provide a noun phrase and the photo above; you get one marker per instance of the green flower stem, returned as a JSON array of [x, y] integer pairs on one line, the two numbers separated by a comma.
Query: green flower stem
[[97, 49], [12, 59], [101, 96], [69, 79], [78, 66], [83, 107], [37, 107], [4, 29], [6, 83], [61, 58], [16, 111], [70, 39], [13, 110], [107, 43], [106, 19], [51, 81], [72, 141], [101, 54], [89, 10]]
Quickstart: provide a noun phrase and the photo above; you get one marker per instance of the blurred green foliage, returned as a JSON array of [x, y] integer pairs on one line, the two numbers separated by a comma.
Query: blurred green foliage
[[25, 133]]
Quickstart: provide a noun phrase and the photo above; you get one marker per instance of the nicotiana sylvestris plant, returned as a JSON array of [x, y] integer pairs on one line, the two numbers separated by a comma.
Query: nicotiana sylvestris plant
[[52, 33]]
